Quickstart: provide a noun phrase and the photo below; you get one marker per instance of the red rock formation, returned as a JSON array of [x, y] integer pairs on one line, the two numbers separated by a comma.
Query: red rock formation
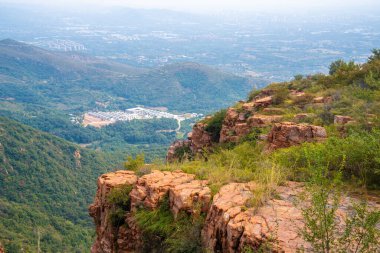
[[288, 134], [322, 100], [229, 202], [342, 120], [106, 234], [172, 155], [200, 139], [234, 126], [263, 120], [2, 249], [232, 227], [150, 189], [190, 197]]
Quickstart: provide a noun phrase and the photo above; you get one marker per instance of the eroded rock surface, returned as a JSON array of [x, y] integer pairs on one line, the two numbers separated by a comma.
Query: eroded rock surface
[[288, 134], [200, 139], [227, 203], [150, 189], [190, 197], [106, 234]]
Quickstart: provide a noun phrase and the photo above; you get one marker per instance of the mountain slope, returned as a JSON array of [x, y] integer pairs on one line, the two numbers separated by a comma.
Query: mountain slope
[[29, 74], [46, 186]]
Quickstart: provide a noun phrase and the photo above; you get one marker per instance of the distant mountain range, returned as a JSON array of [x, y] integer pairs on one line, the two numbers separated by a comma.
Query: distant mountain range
[[76, 82]]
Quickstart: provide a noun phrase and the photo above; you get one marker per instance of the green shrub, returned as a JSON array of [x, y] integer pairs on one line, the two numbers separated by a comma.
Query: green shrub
[[120, 201], [360, 152], [214, 125], [162, 232], [135, 163]]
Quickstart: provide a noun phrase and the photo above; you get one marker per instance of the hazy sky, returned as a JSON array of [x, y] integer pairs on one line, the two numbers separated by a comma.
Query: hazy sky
[[215, 5]]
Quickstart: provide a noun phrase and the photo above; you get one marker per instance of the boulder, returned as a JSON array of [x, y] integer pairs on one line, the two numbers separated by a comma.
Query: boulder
[[191, 197], [322, 100], [263, 120], [263, 102], [100, 209], [342, 120], [288, 134]]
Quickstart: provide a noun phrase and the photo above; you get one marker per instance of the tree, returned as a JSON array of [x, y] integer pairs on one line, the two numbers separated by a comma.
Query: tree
[[334, 66], [375, 55]]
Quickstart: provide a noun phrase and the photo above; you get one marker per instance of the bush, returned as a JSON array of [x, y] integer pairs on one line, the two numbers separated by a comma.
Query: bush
[[120, 201], [162, 232], [214, 125], [360, 152], [136, 163]]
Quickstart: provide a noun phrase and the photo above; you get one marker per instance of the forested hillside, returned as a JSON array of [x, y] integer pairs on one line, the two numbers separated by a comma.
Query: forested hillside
[[75, 82], [46, 186]]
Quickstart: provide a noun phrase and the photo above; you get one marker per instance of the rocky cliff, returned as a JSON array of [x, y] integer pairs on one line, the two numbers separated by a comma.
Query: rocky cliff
[[257, 115], [231, 225]]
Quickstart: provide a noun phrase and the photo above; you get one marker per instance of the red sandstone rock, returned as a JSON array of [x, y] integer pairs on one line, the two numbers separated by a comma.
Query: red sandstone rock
[[273, 111], [341, 120], [320, 100], [190, 197], [99, 210], [263, 102], [171, 155], [227, 203], [2, 249], [288, 134], [150, 189], [200, 139], [263, 120]]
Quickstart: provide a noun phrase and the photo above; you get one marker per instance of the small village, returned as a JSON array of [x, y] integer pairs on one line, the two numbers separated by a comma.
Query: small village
[[99, 119]]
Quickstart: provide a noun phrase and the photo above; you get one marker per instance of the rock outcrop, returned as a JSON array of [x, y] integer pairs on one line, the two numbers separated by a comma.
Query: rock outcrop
[[234, 126], [232, 227], [288, 134], [178, 151], [342, 120], [2, 249], [191, 197], [106, 233], [232, 224], [150, 189], [199, 138], [229, 202]]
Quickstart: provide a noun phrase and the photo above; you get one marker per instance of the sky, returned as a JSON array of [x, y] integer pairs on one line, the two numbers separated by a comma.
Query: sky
[[215, 5]]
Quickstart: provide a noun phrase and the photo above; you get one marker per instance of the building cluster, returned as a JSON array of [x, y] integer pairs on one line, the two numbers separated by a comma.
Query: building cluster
[[139, 113]]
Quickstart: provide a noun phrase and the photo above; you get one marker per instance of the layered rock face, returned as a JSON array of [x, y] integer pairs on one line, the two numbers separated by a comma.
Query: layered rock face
[[199, 138], [185, 195], [106, 234], [231, 225], [288, 134]]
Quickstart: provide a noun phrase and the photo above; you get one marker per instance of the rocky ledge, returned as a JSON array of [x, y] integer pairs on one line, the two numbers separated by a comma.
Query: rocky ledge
[[231, 225]]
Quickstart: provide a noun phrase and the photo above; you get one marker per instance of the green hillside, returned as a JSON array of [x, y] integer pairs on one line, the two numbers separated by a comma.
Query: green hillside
[[46, 185]]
